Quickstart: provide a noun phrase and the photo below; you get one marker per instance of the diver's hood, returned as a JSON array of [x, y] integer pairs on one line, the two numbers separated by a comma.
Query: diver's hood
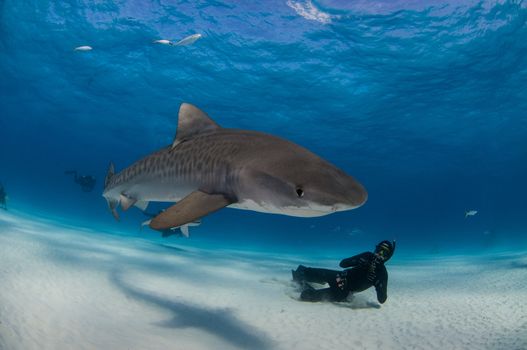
[[390, 245]]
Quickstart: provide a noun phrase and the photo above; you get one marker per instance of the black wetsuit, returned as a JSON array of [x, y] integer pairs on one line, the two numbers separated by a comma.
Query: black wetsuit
[[367, 271]]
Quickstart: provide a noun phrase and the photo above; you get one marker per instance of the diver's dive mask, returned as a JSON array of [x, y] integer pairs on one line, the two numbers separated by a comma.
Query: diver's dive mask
[[385, 250]]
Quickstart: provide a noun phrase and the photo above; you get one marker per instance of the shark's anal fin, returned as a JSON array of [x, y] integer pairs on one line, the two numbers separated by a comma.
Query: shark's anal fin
[[192, 207], [109, 175]]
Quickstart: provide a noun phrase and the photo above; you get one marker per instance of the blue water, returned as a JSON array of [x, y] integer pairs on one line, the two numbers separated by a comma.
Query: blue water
[[423, 102]]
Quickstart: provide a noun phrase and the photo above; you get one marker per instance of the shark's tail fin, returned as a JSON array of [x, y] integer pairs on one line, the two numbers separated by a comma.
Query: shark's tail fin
[[112, 204], [109, 174]]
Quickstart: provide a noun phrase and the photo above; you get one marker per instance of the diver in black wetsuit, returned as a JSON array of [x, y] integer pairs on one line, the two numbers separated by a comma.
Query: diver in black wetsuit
[[87, 182], [3, 197], [367, 270]]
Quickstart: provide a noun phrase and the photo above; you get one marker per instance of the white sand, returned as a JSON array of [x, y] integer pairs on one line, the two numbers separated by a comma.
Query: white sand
[[65, 288]]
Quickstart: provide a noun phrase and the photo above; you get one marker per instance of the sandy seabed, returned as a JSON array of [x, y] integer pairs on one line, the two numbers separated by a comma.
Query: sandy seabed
[[68, 288]]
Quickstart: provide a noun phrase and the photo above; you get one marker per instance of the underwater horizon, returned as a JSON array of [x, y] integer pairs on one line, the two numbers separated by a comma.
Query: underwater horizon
[[422, 102]]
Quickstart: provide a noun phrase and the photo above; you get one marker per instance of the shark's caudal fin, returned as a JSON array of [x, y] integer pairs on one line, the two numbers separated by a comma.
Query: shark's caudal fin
[[191, 122], [112, 204], [109, 174]]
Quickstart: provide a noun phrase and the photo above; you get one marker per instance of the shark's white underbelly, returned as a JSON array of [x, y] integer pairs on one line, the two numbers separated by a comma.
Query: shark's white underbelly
[[170, 192], [270, 209], [158, 192]]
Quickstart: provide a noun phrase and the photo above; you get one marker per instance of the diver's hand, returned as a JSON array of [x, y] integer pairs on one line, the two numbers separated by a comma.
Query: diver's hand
[[341, 281]]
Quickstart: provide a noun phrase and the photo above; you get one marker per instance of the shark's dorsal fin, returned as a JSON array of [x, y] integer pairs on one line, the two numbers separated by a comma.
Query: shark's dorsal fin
[[191, 122]]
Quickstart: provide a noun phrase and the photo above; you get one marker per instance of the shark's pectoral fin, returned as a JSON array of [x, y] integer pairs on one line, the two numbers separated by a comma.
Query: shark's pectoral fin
[[192, 207], [126, 202]]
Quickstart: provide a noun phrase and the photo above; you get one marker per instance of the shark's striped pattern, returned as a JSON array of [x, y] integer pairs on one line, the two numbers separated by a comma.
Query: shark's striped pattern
[[244, 169]]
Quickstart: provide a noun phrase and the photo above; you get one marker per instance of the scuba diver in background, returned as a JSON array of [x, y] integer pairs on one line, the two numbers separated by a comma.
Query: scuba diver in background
[[87, 182], [3, 197], [367, 270]]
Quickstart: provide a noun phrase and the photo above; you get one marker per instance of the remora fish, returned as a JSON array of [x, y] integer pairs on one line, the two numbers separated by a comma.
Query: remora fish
[[183, 230], [208, 167]]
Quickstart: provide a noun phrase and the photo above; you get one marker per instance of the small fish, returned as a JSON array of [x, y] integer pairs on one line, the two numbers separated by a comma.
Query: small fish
[[83, 48], [188, 40], [470, 213], [163, 42], [183, 229]]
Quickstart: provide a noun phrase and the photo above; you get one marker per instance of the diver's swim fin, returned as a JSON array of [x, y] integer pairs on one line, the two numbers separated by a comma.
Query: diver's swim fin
[[192, 207]]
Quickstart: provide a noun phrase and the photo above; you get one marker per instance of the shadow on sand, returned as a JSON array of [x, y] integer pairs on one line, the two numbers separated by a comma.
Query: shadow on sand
[[219, 322], [519, 265]]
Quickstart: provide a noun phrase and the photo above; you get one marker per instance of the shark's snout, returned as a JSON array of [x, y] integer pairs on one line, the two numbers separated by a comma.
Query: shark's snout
[[354, 195], [359, 196]]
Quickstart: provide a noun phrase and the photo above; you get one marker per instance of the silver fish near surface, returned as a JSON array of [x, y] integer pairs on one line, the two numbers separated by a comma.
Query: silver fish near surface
[[163, 42], [189, 40], [208, 167], [83, 48]]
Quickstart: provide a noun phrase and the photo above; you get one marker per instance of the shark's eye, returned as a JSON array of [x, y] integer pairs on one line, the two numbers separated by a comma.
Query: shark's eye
[[299, 192]]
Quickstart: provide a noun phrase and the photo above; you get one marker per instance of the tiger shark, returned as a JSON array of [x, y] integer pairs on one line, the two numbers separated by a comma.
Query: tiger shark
[[208, 167]]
